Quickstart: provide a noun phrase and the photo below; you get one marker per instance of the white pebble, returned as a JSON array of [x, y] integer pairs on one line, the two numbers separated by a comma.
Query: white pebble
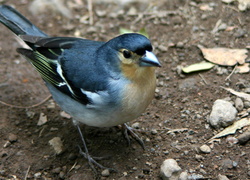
[[105, 173], [136, 125], [170, 169], [223, 114], [222, 177], [183, 176], [205, 149]]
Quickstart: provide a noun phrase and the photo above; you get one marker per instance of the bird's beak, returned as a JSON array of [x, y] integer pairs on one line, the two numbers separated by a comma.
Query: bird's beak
[[149, 59]]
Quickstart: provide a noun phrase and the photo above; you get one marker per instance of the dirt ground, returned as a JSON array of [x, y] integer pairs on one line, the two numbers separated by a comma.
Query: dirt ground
[[182, 101]]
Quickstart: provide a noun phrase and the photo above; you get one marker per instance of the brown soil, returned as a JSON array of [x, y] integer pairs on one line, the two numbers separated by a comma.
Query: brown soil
[[181, 101]]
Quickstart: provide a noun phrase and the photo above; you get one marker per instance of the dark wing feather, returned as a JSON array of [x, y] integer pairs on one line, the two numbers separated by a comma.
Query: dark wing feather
[[45, 55]]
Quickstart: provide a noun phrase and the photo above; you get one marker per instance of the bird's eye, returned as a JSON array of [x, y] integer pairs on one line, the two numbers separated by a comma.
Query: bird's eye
[[126, 54]]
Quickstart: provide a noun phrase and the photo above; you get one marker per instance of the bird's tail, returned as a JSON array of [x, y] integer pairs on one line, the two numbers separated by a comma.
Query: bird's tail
[[17, 23]]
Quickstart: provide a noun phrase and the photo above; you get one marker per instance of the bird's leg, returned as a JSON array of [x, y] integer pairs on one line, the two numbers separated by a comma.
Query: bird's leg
[[131, 130], [85, 153]]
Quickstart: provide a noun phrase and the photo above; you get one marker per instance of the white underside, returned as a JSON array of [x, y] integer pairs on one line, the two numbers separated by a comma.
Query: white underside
[[91, 116]]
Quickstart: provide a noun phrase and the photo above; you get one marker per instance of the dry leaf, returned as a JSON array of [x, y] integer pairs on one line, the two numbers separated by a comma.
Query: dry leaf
[[239, 94], [228, 1], [42, 119], [197, 67], [65, 115], [142, 31], [224, 56], [57, 145], [232, 129], [243, 68]]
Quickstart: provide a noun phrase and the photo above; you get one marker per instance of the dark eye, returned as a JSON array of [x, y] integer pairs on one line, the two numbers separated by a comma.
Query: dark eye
[[126, 54]]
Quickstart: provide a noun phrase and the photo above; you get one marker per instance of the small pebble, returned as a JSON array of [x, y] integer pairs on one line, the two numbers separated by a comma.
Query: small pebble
[[240, 33], [180, 45], [12, 137], [177, 20], [77, 167], [141, 176], [132, 11], [222, 177], [105, 173], [38, 175], [246, 104], [154, 132], [163, 48], [232, 140], [158, 138], [203, 171], [101, 13], [134, 168], [56, 170], [222, 27], [51, 104], [166, 152], [72, 156], [196, 176], [205, 149], [146, 171], [136, 125], [244, 138], [227, 164], [239, 104], [62, 175], [3, 153], [183, 176], [199, 157], [30, 114]]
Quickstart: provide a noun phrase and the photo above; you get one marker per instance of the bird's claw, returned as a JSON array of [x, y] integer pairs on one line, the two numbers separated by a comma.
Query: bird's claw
[[92, 161], [130, 130]]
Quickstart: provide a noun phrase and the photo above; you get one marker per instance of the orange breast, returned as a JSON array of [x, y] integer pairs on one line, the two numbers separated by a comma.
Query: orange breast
[[140, 92]]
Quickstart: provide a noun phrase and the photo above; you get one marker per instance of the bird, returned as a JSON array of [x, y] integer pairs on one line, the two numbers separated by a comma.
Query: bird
[[100, 84]]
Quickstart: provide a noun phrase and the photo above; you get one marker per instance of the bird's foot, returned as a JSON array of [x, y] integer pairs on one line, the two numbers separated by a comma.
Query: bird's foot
[[129, 130], [92, 161]]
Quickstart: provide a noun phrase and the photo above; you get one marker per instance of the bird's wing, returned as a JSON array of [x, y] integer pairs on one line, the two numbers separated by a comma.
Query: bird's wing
[[46, 56]]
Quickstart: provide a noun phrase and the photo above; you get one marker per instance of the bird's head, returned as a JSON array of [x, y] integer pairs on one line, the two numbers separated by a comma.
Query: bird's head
[[135, 54]]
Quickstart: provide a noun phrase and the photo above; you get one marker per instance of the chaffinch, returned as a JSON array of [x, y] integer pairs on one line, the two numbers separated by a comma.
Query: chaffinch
[[99, 84]]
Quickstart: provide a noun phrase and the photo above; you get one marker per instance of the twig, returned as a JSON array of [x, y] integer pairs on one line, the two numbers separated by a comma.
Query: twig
[[40, 133], [27, 173], [74, 165], [203, 79], [228, 77], [26, 107], [233, 8]]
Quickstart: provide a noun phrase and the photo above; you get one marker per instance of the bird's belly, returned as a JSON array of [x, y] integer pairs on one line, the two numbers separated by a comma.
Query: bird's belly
[[105, 116], [135, 101]]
